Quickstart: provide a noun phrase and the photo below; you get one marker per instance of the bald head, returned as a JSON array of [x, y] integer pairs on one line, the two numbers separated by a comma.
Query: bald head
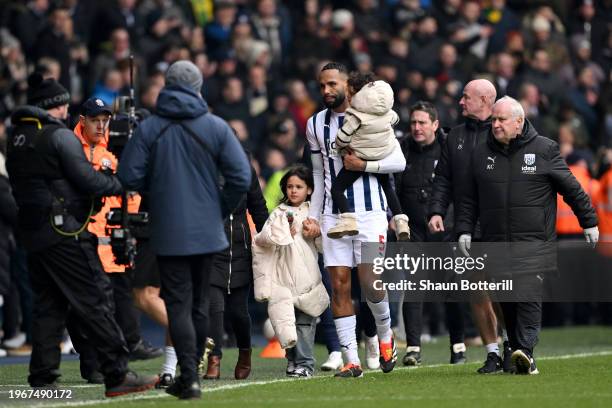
[[477, 99]]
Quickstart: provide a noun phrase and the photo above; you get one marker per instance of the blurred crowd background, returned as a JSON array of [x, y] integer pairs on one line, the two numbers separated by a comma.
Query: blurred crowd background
[[260, 59]]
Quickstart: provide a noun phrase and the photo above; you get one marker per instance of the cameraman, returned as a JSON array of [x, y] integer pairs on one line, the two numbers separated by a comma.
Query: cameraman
[[53, 184], [177, 155], [92, 131]]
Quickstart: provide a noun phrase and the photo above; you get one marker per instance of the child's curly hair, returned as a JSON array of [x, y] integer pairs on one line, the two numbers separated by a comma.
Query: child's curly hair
[[358, 80]]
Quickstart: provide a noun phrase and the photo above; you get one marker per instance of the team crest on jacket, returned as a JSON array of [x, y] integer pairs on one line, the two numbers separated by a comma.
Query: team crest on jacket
[[529, 160]]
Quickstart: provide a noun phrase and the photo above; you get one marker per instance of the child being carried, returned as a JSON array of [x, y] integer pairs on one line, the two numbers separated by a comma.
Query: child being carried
[[367, 131]]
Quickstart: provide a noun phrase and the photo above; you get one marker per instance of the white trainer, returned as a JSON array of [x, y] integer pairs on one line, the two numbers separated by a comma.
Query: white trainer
[[15, 342], [372, 353], [334, 362]]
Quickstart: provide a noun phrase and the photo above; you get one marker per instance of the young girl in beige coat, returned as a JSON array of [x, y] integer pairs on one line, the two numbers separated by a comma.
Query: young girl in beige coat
[[286, 273]]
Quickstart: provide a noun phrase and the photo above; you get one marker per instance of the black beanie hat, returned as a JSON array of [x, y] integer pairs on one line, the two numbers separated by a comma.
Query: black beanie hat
[[46, 93]]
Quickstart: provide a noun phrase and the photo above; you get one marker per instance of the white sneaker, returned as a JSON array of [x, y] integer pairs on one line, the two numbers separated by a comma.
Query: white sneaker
[[334, 362], [300, 372], [67, 347], [15, 342], [372, 353], [2, 353]]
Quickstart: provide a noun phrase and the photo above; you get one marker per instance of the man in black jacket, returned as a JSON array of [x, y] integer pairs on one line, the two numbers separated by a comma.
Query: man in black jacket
[[450, 183], [54, 184], [516, 177], [413, 186]]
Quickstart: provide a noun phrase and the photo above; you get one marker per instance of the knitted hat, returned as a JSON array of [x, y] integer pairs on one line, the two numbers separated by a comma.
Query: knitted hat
[[46, 93], [185, 73]]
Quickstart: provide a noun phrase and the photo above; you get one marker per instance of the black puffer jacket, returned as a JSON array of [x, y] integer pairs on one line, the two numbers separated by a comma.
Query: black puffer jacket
[[232, 267], [514, 193], [414, 186], [44, 155], [452, 172]]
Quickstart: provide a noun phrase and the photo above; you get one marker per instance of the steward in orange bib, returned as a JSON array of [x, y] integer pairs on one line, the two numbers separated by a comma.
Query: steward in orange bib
[[92, 130], [567, 223], [604, 207]]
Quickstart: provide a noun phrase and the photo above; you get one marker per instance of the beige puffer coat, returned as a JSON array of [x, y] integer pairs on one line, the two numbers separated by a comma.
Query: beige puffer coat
[[286, 272], [368, 123]]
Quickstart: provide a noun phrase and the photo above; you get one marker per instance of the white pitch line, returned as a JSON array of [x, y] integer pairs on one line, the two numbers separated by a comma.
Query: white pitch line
[[160, 394]]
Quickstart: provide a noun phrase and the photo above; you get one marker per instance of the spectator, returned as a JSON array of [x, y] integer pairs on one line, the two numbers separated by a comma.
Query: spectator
[[217, 32], [53, 42], [233, 105]]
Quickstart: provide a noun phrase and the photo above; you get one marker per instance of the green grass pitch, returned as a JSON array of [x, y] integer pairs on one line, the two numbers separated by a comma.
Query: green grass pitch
[[575, 371]]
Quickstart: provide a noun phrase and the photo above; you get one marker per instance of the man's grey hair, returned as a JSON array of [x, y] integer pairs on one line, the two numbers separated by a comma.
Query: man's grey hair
[[515, 106]]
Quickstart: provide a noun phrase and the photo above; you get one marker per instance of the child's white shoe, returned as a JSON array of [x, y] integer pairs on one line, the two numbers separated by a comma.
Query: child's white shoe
[[346, 226], [402, 229]]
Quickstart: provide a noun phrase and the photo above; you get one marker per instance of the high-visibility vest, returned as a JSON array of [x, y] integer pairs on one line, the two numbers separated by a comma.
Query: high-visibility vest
[[100, 158], [567, 223], [604, 213]]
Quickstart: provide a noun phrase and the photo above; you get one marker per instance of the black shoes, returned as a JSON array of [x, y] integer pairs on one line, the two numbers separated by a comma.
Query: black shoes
[[508, 365], [95, 377], [165, 381], [145, 351], [132, 383], [524, 362], [492, 365], [458, 353], [412, 358], [185, 391]]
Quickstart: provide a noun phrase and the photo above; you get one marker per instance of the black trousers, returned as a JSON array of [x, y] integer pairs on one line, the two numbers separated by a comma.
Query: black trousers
[[346, 178], [524, 319], [119, 291], [236, 304], [412, 312], [66, 277], [184, 288]]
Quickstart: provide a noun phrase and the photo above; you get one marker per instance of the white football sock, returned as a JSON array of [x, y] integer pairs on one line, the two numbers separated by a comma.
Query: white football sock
[[169, 365], [382, 317], [493, 348], [346, 328]]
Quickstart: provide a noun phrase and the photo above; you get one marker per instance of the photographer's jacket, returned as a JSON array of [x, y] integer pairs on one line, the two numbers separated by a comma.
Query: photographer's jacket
[[45, 161], [514, 192], [181, 175], [452, 172]]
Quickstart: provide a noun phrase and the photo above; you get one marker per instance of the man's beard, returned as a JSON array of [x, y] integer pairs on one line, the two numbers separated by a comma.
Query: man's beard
[[338, 100]]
